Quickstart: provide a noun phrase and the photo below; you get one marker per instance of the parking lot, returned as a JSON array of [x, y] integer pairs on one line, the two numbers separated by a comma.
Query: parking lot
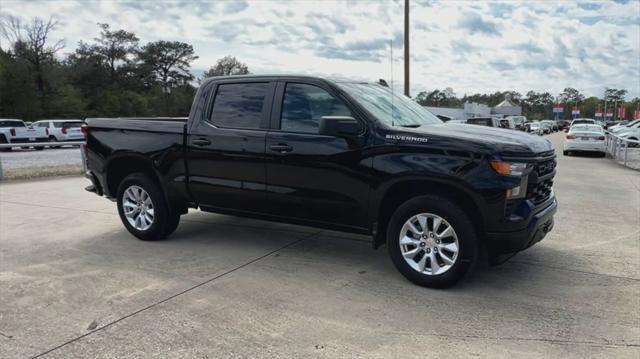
[[74, 283]]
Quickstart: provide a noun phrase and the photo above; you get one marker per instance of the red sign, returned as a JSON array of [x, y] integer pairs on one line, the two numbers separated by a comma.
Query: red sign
[[621, 112]]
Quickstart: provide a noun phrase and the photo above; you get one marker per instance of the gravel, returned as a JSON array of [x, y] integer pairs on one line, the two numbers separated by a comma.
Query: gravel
[[27, 163]]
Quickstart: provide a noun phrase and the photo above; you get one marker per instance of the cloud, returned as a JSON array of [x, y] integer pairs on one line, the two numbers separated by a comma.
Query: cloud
[[469, 46], [474, 24]]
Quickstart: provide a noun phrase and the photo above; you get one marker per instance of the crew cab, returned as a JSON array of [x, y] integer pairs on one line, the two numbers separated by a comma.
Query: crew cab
[[342, 155], [14, 131]]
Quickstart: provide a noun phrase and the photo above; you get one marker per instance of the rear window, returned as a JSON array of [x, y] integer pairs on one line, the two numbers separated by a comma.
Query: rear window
[[586, 128], [239, 105], [71, 124], [12, 123], [480, 121]]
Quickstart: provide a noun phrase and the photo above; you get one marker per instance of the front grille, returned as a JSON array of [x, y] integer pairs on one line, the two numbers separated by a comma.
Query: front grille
[[541, 181], [544, 168]]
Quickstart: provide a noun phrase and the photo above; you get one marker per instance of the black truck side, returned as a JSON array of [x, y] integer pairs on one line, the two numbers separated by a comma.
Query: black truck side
[[348, 156]]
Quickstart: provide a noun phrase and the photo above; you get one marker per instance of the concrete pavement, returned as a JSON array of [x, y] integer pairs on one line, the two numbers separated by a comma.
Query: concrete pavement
[[74, 283]]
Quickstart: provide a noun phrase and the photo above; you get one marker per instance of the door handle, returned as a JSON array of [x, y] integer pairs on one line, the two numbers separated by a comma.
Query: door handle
[[281, 147], [201, 142]]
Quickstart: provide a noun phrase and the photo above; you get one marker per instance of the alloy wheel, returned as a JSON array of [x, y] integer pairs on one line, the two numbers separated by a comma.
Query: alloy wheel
[[138, 208], [429, 244]]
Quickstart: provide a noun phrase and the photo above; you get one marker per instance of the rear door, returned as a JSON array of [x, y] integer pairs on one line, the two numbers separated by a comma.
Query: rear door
[[226, 148], [314, 177]]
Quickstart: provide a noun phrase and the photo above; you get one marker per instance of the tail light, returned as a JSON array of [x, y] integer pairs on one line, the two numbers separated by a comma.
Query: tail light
[[570, 137], [601, 138], [13, 132], [64, 131], [84, 128]]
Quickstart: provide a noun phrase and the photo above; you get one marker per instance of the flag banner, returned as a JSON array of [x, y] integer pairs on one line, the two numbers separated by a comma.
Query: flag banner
[[622, 112], [558, 108]]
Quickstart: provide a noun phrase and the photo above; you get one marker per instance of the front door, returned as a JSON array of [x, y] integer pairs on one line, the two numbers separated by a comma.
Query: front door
[[226, 149], [310, 176]]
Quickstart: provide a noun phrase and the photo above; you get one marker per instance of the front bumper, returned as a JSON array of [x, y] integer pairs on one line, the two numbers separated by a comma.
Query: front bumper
[[502, 245], [24, 141]]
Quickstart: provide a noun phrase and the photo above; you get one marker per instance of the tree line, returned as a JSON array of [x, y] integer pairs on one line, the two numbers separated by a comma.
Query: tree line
[[539, 105], [113, 75]]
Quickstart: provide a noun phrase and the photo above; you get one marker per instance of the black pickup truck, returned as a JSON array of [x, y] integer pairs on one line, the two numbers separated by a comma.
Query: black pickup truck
[[348, 156]]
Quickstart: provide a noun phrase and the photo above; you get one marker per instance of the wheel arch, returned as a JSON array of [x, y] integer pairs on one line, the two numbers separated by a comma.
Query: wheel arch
[[397, 193], [122, 165]]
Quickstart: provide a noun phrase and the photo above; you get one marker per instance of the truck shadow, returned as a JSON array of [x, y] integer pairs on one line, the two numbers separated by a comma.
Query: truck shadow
[[204, 243]]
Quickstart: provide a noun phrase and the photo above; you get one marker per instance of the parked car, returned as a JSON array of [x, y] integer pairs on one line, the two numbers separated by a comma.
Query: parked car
[[16, 132], [536, 128], [518, 122], [349, 156], [564, 125], [584, 138], [62, 130], [578, 121], [547, 126], [631, 133], [492, 122], [620, 128]]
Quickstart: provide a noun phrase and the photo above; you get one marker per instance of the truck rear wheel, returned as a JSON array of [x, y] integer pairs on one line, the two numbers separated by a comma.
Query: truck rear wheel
[[143, 209], [432, 241]]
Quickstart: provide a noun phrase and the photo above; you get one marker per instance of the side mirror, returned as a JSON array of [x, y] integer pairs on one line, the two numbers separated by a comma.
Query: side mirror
[[339, 126]]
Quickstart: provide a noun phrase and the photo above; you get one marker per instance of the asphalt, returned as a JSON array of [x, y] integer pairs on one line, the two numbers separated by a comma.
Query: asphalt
[[74, 284]]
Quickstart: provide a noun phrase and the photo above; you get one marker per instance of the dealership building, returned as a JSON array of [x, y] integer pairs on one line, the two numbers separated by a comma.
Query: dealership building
[[472, 109]]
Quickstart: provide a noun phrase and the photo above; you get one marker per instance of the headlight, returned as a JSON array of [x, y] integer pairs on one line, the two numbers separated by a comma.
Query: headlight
[[509, 168]]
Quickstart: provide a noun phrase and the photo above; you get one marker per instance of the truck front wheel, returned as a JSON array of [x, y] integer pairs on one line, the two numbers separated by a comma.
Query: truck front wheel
[[143, 209], [432, 241]]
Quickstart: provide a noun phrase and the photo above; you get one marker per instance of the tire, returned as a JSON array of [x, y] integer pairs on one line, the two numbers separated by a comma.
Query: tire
[[172, 224], [53, 139], [566, 153], [3, 140], [451, 215], [39, 148], [162, 221]]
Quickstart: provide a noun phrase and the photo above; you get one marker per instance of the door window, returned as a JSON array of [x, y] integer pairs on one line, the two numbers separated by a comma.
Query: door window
[[239, 105], [303, 106]]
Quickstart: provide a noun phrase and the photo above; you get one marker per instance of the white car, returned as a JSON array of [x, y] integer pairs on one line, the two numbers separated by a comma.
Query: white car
[[625, 128], [15, 131], [536, 128], [578, 121], [585, 138], [62, 130], [632, 133]]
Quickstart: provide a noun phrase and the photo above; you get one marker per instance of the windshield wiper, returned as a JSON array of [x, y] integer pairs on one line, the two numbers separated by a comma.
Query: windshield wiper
[[410, 126]]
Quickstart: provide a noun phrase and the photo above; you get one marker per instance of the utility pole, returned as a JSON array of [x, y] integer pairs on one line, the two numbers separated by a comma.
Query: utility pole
[[406, 48]]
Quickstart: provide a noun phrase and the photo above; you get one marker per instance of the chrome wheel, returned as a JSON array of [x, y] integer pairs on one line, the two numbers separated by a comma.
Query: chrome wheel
[[429, 244], [138, 208]]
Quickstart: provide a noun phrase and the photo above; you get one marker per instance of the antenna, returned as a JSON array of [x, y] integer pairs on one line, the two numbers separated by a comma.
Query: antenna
[[391, 51]]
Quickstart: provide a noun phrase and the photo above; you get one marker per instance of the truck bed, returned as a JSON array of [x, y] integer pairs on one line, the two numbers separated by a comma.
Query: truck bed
[[152, 124]]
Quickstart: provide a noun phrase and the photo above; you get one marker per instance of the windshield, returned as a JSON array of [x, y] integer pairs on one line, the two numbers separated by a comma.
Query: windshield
[[12, 123], [72, 124], [382, 104], [586, 128]]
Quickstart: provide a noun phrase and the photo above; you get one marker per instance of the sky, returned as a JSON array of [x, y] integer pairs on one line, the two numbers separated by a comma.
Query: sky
[[470, 46]]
